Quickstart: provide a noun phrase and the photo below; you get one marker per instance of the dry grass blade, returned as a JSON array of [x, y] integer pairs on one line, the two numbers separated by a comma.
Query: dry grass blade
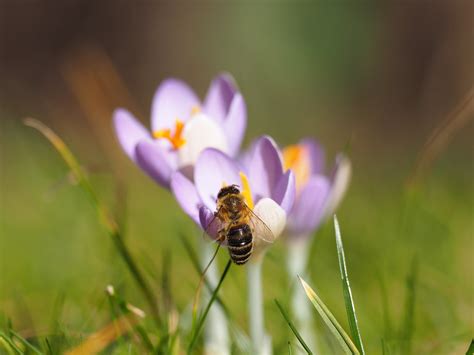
[[105, 336], [105, 217], [76, 170], [442, 134]]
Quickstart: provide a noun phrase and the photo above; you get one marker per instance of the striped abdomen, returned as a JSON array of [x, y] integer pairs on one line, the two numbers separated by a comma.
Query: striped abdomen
[[239, 243]]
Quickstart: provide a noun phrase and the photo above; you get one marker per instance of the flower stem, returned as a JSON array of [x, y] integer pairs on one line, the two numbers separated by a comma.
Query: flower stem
[[298, 253], [216, 332], [255, 304]]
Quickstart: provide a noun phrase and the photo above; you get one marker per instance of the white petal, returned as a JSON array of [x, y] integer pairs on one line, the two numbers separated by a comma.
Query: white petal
[[200, 133], [274, 217], [272, 214], [339, 185]]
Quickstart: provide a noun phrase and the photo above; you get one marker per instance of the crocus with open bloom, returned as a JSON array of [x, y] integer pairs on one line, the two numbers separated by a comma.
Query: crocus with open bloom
[[317, 194], [317, 197], [182, 126], [267, 188]]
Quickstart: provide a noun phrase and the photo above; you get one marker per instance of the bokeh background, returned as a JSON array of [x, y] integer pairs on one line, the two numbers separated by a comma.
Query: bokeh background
[[378, 79]]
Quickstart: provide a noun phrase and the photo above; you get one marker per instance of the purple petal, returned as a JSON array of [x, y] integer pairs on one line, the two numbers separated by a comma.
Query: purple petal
[[265, 168], [206, 216], [212, 171], [156, 161], [308, 208], [173, 100], [185, 193], [219, 97], [316, 155], [129, 131], [235, 124], [340, 179], [246, 156], [285, 190]]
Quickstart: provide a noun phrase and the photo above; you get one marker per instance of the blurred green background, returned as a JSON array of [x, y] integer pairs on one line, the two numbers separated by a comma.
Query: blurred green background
[[377, 76]]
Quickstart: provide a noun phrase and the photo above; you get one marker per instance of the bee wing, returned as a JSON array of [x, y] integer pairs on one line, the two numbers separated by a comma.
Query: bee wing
[[215, 229], [259, 228]]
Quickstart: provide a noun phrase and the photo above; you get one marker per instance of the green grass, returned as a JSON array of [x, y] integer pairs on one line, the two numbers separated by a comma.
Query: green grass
[[56, 258], [349, 302], [344, 340], [293, 328]]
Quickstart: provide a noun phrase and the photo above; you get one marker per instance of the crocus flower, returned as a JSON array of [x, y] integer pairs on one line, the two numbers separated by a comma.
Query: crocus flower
[[317, 194], [267, 188], [317, 197], [182, 126]]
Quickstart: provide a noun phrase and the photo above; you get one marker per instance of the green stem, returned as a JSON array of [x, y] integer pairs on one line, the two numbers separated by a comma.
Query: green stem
[[201, 320], [298, 253], [216, 339], [255, 304]]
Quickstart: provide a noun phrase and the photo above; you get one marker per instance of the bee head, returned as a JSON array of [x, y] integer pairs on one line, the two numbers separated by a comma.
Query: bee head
[[227, 190]]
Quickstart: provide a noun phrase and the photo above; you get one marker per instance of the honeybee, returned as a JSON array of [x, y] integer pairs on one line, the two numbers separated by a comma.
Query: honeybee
[[236, 225]]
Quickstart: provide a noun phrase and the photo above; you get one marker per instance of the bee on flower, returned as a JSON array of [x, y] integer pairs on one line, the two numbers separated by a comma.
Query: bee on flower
[[268, 191]]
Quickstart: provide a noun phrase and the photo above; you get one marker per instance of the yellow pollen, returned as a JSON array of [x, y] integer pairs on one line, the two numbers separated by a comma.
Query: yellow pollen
[[195, 110], [296, 157], [176, 139], [246, 192]]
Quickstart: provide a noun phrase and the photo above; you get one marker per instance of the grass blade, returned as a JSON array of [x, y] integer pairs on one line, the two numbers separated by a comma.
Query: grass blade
[[25, 342], [105, 336], [195, 262], [105, 217], [408, 324], [346, 289], [293, 329], [126, 309], [201, 320], [388, 327], [331, 322], [8, 345], [470, 351]]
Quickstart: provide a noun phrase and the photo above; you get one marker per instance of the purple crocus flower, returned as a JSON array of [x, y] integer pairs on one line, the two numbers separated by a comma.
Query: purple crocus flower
[[317, 194], [182, 126], [269, 190]]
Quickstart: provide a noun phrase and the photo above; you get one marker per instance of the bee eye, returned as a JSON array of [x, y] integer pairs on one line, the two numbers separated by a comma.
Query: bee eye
[[235, 189]]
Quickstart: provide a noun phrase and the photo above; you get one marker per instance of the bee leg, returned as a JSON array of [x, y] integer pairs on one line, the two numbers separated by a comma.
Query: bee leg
[[220, 236]]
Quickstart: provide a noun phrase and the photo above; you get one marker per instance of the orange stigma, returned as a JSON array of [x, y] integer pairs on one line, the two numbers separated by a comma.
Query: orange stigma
[[246, 192], [296, 157], [176, 139]]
